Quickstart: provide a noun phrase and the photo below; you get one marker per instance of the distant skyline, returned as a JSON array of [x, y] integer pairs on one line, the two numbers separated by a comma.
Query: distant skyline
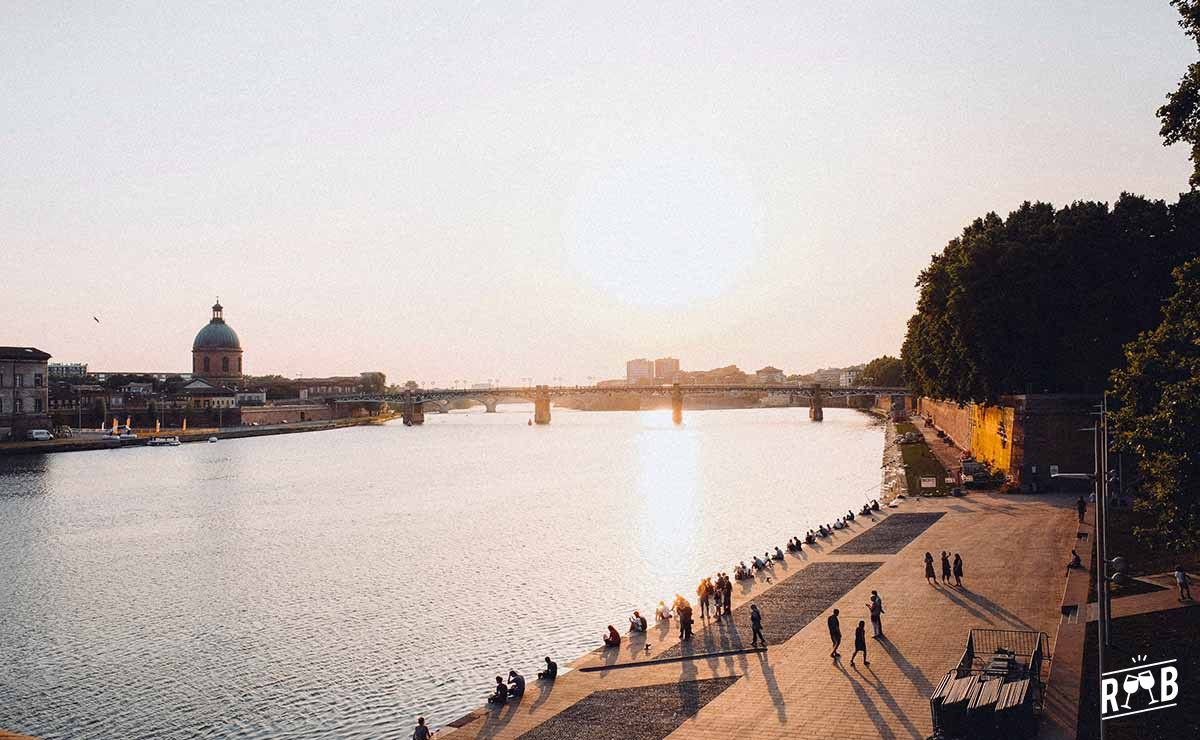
[[446, 192]]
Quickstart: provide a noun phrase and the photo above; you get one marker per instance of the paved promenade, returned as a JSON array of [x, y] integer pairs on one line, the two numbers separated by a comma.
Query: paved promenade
[[1014, 549]]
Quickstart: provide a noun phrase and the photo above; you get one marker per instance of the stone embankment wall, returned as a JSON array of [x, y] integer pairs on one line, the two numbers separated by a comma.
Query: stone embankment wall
[[278, 414], [1028, 437]]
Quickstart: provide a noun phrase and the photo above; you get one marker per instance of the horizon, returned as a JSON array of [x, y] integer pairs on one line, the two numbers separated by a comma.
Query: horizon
[[480, 194]]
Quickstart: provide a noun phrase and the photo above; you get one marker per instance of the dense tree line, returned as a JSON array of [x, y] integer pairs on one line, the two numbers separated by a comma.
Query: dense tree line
[[1045, 299], [1158, 414]]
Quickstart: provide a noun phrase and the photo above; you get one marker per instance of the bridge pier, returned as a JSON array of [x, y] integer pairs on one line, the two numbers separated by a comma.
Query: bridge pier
[[816, 411], [443, 407], [413, 411], [489, 405], [676, 404], [541, 405]]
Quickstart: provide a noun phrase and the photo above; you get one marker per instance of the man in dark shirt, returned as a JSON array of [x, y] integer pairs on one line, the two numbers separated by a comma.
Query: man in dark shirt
[[835, 633], [516, 685], [500, 695], [551, 671], [756, 626]]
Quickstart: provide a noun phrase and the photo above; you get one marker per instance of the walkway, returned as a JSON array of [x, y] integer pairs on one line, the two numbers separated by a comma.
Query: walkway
[[794, 690]]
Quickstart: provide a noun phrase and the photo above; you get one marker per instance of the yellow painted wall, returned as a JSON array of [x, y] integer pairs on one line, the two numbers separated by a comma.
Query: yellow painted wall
[[992, 434]]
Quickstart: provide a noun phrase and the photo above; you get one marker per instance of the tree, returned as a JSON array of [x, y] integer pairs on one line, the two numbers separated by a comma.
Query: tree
[[1044, 300], [1158, 418], [1180, 115], [886, 372]]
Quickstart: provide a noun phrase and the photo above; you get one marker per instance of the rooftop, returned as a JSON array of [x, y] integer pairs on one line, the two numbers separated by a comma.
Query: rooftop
[[22, 353]]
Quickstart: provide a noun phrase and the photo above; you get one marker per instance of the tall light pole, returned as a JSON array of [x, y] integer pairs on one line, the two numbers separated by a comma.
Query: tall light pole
[[1099, 478]]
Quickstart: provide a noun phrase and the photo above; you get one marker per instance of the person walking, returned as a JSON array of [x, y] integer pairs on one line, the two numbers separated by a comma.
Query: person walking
[[930, 576], [835, 633], [945, 567], [1081, 508], [756, 626], [704, 593], [421, 732], [876, 607], [860, 644], [958, 570], [1184, 583]]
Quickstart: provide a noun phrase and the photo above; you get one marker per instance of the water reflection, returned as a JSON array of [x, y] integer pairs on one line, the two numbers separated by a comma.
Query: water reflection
[[338, 584]]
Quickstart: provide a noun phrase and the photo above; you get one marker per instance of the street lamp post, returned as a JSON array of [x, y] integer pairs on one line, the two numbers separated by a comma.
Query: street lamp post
[[1099, 478]]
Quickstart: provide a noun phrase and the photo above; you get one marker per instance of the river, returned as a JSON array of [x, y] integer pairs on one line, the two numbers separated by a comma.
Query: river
[[339, 583]]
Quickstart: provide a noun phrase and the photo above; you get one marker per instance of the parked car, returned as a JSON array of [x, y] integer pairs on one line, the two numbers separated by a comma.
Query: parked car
[[39, 435]]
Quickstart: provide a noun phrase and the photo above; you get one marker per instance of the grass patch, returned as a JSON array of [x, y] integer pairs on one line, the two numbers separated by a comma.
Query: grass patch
[[919, 461]]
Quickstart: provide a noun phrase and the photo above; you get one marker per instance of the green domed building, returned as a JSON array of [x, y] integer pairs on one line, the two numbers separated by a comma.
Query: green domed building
[[217, 351]]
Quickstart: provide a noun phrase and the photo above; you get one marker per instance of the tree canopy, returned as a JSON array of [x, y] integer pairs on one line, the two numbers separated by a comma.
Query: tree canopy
[[1180, 115], [1158, 418], [1045, 299], [886, 371]]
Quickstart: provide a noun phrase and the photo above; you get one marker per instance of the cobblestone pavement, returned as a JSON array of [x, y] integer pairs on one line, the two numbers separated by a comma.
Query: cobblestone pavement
[[1013, 548]]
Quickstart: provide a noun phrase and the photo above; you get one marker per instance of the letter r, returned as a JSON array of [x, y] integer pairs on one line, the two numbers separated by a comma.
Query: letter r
[[1108, 692], [1169, 686]]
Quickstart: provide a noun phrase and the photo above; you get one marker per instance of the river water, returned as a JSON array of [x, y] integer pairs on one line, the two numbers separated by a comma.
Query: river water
[[339, 583]]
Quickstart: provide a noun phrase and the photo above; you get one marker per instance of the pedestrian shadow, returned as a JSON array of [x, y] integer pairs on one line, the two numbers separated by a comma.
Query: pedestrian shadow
[[773, 687], [910, 671], [892, 704], [993, 608], [873, 713], [544, 689], [498, 718], [962, 604]]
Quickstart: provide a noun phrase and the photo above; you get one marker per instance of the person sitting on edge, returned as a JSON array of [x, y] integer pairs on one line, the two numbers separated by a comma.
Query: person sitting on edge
[[662, 613], [809, 538], [551, 671], [874, 504], [1075, 561], [613, 638], [637, 623], [421, 731], [516, 685], [758, 563], [849, 515], [778, 553], [500, 695]]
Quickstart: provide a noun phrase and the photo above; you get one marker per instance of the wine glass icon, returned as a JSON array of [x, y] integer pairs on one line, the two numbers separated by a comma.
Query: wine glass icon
[[1130, 685], [1146, 679]]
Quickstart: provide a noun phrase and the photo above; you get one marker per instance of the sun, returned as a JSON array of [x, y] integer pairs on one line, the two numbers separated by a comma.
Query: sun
[[668, 227]]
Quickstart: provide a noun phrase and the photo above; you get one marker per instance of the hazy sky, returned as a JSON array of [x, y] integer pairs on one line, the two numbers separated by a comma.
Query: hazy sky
[[479, 190]]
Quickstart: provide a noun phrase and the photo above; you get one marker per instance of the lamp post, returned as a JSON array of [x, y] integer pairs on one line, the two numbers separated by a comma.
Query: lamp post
[[1100, 479]]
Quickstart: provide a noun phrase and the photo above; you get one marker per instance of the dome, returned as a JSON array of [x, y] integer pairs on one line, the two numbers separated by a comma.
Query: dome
[[216, 335]]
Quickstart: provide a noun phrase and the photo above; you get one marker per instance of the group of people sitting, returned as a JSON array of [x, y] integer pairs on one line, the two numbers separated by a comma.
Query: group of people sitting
[[515, 688]]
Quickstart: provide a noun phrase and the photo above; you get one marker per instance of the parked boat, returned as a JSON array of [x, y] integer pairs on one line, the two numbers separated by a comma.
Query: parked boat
[[212, 439], [165, 442]]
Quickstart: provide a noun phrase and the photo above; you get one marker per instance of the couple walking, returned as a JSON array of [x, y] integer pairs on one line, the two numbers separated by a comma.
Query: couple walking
[[860, 633]]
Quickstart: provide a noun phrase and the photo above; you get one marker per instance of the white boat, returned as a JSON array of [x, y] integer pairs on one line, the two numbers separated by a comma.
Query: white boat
[[212, 439], [165, 442]]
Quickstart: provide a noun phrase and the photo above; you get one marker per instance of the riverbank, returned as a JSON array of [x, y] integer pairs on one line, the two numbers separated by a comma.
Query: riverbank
[[716, 686], [101, 442]]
